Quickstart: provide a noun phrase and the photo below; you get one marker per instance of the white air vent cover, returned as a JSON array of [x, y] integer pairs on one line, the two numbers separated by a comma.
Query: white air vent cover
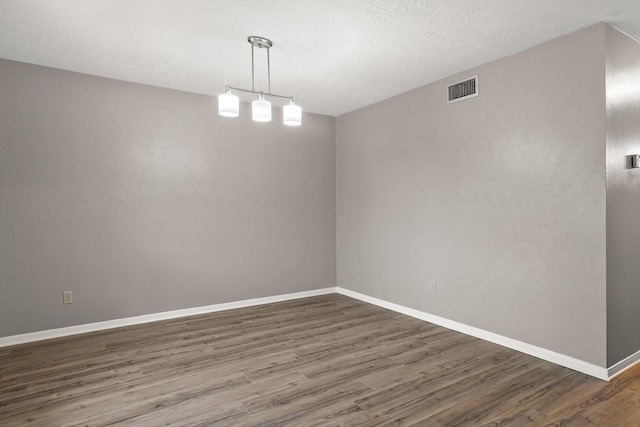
[[463, 90]]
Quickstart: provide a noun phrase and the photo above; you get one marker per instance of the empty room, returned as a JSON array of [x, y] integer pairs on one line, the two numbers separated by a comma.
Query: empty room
[[319, 213]]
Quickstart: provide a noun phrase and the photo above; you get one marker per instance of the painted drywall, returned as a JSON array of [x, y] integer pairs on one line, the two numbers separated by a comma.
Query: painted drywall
[[142, 200], [623, 196], [499, 198]]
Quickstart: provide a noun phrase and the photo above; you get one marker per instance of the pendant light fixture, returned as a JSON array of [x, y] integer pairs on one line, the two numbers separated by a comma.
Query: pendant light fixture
[[229, 104]]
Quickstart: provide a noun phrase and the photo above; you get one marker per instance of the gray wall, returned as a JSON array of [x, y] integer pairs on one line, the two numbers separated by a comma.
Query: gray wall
[[623, 196], [142, 200], [499, 198]]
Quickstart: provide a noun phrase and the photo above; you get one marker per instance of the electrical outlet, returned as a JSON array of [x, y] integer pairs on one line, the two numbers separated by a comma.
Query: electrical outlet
[[432, 285], [67, 297]]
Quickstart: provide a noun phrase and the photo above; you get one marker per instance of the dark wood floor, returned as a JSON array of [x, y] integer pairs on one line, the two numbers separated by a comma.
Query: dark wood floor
[[329, 360]]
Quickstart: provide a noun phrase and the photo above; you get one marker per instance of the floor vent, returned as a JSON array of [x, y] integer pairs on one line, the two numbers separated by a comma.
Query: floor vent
[[463, 90]]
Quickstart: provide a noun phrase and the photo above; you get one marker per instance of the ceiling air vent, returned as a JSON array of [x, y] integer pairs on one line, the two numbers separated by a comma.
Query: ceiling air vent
[[463, 90]]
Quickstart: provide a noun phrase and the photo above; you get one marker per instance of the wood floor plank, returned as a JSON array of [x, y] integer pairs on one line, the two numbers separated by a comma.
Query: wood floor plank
[[504, 395], [420, 400], [323, 361], [313, 400]]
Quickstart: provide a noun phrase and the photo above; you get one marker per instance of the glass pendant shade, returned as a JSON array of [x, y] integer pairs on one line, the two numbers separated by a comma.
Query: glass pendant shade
[[228, 105], [261, 110], [292, 114]]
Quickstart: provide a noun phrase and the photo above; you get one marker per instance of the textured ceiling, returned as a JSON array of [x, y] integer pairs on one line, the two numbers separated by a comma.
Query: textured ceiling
[[333, 56]]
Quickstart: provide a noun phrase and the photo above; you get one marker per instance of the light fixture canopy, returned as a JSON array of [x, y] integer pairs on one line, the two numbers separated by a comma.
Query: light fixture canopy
[[228, 104]]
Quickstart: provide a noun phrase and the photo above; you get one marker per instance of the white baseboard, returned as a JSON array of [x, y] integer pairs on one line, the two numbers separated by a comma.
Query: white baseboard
[[623, 365], [542, 353], [539, 352], [147, 318]]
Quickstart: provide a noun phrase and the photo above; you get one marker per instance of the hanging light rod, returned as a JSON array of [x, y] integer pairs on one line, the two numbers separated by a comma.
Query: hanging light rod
[[257, 92], [229, 104]]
